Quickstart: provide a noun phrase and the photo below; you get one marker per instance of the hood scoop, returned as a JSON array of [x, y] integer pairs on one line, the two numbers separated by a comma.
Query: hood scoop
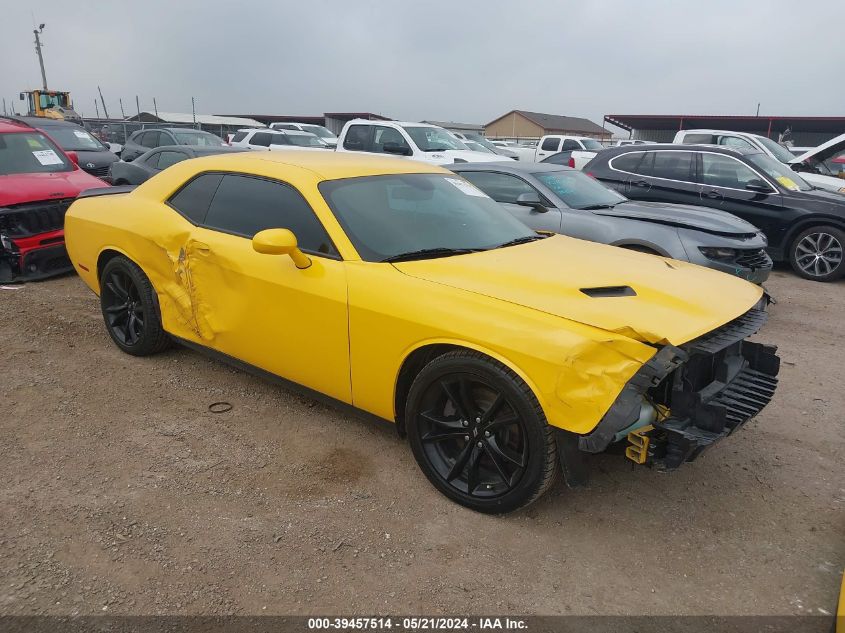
[[602, 292]]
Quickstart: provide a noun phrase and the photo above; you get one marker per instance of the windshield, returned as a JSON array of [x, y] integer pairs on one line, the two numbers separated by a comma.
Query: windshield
[[478, 147], [30, 153], [305, 140], [433, 139], [76, 140], [787, 178], [319, 130], [385, 216], [483, 142], [777, 150], [202, 139], [578, 190], [589, 143]]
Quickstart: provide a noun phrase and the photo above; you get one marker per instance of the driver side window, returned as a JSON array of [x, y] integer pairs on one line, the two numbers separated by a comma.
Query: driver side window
[[384, 135]]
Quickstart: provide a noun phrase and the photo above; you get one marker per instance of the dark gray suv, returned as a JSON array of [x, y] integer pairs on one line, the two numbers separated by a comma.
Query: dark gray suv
[[144, 140]]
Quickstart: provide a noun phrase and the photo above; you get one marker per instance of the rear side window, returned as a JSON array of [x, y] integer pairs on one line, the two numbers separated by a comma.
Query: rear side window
[[699, 139], [569, 144], [193, 199], [279, 139], [238, 137], [735, 141], [628, 162], [152, 159], [151, 139], [244, 205], [500, 187], [357, 138], [166, 159], [673, 166], [261, 138], [550, 145]]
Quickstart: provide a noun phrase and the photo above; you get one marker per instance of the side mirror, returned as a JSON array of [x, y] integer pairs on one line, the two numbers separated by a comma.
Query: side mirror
[[74, 157], [397, 148], [280, 242], [758, 185], [530, 199]]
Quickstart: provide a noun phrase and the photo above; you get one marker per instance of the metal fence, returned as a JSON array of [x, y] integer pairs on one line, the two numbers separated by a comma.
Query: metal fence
[[117, 131]]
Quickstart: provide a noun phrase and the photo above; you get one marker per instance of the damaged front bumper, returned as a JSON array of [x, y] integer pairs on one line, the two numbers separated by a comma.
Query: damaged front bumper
[[32, 241], [697, 393]]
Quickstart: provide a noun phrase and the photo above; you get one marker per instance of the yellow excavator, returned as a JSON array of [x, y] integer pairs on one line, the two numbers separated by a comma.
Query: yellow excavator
[[51, 104]]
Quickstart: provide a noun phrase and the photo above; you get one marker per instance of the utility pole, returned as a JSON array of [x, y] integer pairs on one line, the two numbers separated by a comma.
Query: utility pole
[[138, 107], [194, 110], [122, 113], [758, 109], [4, 106], [38, 32], [103, 101], [155, 107], [97, 108]]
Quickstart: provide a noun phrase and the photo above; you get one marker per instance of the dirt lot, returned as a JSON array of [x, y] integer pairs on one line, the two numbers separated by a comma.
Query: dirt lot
[[122, 493]]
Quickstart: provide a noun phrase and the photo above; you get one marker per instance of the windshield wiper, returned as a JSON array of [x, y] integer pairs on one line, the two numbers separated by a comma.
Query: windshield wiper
[[523, 240], [425, 253], [594, 207], [436, 149]]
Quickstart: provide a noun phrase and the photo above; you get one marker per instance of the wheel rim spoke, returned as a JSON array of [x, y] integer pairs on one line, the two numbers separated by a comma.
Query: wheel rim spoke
[[498, 463], [460, 463], [473, 479], [518, 461], [461, 398]]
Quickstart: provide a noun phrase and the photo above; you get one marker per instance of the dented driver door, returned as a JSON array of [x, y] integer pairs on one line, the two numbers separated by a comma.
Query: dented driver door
[[262, 309]]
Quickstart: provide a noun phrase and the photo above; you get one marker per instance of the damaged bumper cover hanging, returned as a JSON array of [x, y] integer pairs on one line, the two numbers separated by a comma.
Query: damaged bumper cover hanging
[[701, 392]]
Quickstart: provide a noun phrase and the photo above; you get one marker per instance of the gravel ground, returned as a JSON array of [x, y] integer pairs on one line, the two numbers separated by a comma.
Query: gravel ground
[[123, 494]]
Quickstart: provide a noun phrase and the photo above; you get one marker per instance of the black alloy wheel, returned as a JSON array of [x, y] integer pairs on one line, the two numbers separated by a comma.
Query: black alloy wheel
[[129, 310], [479, 434]]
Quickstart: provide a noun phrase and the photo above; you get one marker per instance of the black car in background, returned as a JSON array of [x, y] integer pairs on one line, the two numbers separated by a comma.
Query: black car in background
[[804, 225], [149, 164], [142, 141], [94, 156]]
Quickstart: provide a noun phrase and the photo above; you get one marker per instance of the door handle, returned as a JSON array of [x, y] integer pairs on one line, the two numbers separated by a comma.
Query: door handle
[[640, 183], [712, 194]]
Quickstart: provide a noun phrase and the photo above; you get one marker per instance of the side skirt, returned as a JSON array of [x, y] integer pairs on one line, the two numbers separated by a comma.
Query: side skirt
[[289, 385]]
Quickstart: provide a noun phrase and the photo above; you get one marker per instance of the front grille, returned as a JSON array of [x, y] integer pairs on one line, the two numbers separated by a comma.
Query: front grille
[[99, 172], [31, 219], [754, 259], [741, 327]]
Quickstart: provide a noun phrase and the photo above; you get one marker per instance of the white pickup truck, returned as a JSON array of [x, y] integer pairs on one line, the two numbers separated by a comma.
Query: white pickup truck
[[554, 143], [417, 141]]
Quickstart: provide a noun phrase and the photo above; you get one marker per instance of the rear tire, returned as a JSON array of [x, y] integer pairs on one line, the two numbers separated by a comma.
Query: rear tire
[[816, 253], [130, 312], [479, 434]]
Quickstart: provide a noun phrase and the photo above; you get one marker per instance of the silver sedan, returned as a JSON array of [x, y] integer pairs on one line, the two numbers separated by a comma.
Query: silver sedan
[[563, 200]]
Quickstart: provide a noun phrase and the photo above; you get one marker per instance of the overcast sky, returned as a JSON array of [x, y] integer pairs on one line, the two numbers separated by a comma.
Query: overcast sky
[[467, 60]]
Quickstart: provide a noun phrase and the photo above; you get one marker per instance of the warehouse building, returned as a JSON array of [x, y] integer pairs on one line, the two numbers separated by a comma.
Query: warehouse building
[[801, 131], [521, 124]]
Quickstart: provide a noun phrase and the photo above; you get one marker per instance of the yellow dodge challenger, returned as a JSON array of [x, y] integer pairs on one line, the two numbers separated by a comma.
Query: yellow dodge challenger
[[400, 289]]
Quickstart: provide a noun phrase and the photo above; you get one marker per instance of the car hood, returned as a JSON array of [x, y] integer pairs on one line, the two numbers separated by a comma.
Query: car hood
[[23, 188], [674, 301], [824, 151], [682, 215], [827, 183]]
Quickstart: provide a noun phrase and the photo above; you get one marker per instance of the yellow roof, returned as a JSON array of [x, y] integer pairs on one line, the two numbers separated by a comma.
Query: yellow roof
[[331, 165]]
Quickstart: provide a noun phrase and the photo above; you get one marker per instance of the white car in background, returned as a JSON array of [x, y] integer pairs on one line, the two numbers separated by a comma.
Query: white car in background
[[766, 145], [326, 135], [824, 160], [418, 141], [266, 139], [554, 143], [520, 151]]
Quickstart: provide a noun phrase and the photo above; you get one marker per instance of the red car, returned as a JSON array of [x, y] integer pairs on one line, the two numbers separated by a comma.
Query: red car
[[38, 181]]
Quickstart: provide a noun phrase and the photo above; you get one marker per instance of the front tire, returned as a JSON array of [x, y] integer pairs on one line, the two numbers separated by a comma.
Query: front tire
[[129, 309], [479, 434]]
